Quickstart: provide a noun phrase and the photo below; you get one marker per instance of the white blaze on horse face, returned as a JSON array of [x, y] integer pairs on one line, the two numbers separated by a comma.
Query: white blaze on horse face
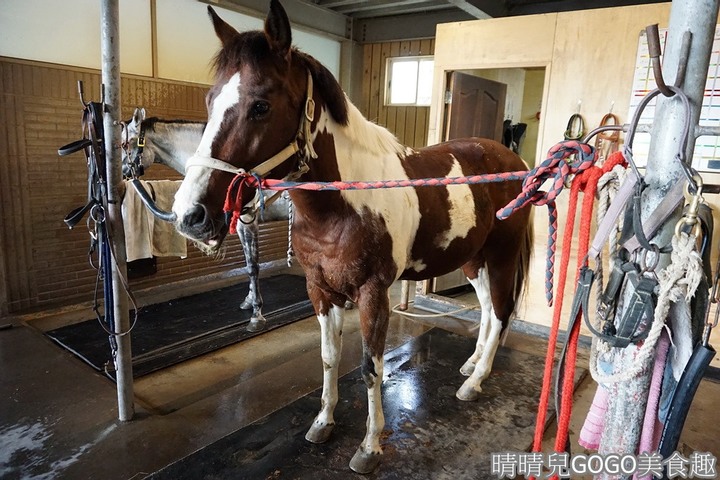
[[462, 209], [197, 178]]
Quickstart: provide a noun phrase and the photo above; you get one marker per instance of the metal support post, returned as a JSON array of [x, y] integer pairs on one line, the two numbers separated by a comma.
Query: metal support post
[[699, 17], [110, 38]]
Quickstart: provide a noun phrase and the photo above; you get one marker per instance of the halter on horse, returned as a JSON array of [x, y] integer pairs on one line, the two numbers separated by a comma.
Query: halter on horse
[[270, 98], [171, 143]]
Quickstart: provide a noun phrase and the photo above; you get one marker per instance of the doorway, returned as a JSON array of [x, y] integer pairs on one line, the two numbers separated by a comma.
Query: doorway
[[503, 104], [522, 104]]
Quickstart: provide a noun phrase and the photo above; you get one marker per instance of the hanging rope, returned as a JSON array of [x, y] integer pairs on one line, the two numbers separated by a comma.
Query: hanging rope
[[587, 182], [557, 168]]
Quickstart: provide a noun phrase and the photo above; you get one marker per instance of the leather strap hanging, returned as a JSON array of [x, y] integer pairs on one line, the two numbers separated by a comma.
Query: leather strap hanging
[[607, 142], [575, 129]]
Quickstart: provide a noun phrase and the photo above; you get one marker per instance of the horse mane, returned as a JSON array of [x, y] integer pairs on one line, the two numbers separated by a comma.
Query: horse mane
[[149, 123], [375, 138]]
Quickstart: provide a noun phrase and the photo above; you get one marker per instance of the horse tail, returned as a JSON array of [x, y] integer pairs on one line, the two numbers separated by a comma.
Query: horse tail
[[522, 278]]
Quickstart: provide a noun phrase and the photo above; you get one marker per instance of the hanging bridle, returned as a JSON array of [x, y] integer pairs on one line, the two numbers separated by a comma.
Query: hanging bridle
[[134, 164], [279, 158]]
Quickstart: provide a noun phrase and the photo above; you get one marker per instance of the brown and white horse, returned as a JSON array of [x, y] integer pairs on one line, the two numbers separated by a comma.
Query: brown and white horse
[[274, 110]]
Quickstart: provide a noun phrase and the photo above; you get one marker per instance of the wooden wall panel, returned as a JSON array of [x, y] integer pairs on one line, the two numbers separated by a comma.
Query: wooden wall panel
[[409, 124], [45, 265]]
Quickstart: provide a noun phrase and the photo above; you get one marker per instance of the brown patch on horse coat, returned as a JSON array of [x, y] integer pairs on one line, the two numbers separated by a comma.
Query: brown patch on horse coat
[[475, 156]]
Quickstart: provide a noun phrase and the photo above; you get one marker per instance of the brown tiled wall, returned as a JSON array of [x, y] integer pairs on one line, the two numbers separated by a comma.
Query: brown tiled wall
[[43, 264]]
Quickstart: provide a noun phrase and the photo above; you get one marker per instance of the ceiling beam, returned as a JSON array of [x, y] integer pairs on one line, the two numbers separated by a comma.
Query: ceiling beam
[[404, 27], [469, 8], [337, 3], [529, 7], [301, 14], [406, 10], [381, 5]]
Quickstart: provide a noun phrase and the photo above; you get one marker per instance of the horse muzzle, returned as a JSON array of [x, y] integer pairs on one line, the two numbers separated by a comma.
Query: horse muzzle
[[197, 225]]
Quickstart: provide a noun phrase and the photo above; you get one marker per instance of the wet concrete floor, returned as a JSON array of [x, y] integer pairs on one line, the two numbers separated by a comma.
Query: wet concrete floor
[[58, 418]]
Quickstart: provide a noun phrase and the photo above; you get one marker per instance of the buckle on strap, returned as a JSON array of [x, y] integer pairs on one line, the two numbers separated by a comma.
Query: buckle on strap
[[640, 306]]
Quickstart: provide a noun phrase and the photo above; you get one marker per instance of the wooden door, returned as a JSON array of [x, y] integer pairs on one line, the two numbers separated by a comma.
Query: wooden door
[[476, 109]]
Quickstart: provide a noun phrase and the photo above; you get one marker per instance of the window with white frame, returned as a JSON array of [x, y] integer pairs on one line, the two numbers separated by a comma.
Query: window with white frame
[[409, 81]]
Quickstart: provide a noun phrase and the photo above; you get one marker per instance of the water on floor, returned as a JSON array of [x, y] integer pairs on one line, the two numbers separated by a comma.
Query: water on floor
[[58, 417]]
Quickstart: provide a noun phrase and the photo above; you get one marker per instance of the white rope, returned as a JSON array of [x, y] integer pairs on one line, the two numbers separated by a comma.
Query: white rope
[[677, 282]]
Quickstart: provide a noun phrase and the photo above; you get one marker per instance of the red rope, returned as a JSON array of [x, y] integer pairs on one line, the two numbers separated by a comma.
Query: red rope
[[586, 182]]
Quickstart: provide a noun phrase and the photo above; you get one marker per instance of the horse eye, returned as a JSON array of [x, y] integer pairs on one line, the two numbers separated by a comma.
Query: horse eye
[[259, 109]]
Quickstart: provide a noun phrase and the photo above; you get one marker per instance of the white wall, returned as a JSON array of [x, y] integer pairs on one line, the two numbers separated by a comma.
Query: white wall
[[68, 32]]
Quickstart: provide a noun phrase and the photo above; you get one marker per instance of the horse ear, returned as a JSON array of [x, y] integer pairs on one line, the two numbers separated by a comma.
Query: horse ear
[[224, 31], [138, 115], [277, 29]]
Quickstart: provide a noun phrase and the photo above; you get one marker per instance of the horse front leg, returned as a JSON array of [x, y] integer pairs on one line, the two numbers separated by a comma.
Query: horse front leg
[[331, 324], [374, 318], [248, 233]]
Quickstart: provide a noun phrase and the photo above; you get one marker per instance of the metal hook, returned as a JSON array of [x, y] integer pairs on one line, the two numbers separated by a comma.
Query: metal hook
[[81, 93], [654, 51]]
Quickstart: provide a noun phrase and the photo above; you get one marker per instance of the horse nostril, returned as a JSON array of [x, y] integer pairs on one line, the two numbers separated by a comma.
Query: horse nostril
[[195, 215]]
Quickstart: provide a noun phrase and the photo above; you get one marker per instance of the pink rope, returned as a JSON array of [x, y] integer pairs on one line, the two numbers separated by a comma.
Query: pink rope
[[592, 429], [647, 437]]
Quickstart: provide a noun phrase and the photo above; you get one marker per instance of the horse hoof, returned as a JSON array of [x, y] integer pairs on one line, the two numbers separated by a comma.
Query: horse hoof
[[468, 394], [256, 325], [349, 305], [467, 369], [246, 305], [363, 462], [319, 432]]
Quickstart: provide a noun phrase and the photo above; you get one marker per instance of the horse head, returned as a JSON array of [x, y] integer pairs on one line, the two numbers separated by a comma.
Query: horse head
[[260, 117], [133, 154]]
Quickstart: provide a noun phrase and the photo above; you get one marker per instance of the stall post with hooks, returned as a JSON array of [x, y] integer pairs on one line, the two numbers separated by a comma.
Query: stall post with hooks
[[699, 17], [110, 48]]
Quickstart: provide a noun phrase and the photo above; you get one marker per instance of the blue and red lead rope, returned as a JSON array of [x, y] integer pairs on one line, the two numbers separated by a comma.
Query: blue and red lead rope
[[555, 166]]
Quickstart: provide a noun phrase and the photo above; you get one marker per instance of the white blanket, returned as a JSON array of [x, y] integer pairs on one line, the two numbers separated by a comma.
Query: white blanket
[[145, 235]]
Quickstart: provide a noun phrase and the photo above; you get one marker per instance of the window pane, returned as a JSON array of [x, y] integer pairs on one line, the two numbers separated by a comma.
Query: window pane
[[425, 80], [403, 86]]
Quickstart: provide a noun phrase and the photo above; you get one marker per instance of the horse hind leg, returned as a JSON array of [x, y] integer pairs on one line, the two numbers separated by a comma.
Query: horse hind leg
[[482, 290], [331, 324], [248, 234], [478, 366]]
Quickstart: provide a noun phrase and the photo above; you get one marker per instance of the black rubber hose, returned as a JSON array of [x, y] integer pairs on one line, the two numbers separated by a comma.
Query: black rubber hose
[[150, 203]]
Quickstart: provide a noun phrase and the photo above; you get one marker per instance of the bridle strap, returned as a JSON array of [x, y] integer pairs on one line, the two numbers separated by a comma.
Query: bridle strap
[[262, 169], [279, 158]]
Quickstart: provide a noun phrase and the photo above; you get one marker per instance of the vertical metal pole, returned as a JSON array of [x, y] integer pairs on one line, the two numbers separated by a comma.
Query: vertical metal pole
[[110, 38], [663, 171]]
